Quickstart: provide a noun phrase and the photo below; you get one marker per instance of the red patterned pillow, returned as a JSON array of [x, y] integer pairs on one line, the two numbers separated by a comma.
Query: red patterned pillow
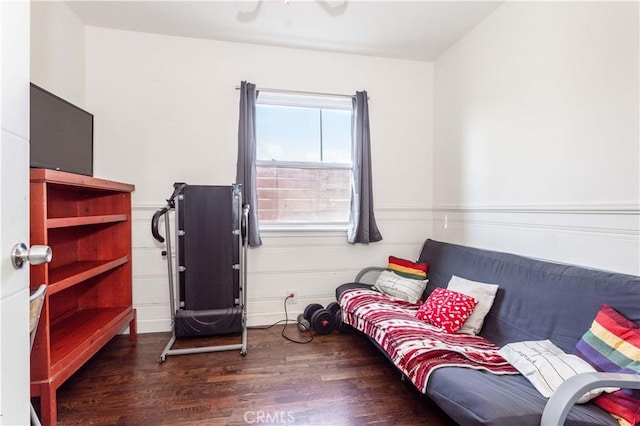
[[447, 309]]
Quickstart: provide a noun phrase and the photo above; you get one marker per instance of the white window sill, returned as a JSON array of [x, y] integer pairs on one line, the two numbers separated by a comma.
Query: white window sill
[[303, 230]]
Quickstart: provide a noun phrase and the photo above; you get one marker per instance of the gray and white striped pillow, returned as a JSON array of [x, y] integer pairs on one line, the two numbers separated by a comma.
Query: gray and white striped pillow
[[547, 366], [402, 288]]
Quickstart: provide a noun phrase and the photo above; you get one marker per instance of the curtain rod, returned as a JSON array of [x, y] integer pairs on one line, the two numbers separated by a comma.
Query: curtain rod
[[300, 92]]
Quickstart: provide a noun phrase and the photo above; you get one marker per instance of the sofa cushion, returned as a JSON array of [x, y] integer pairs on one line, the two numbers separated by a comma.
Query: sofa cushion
[[447, 309], [484, 293], [523, 309], [472, 397]]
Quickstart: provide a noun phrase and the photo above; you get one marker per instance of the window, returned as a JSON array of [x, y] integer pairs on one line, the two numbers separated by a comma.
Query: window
[[303, 158]]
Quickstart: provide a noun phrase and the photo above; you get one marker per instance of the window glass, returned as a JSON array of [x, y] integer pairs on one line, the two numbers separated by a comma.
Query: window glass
[[336, 136], [287, 133]]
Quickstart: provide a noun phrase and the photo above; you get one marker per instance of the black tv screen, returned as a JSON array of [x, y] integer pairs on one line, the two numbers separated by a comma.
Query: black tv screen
[[61, 134]]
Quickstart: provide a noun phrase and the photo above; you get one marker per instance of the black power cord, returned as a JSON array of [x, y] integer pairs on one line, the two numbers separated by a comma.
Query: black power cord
[[286, 322], [286, 316]]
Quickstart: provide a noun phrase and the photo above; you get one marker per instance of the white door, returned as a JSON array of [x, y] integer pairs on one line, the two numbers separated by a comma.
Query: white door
[[14, 211]]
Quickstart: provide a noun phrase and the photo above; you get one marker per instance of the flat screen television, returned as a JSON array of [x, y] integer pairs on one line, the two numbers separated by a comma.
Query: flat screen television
[[61, 134]]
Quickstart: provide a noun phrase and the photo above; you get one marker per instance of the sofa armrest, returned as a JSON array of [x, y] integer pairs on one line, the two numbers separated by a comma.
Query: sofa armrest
[[560, 403], [369, 275]]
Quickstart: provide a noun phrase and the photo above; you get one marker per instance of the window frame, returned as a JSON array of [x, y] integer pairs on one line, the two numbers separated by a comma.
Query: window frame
[[315, 101]]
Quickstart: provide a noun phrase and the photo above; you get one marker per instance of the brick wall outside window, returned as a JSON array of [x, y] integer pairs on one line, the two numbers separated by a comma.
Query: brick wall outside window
[[287, 194]]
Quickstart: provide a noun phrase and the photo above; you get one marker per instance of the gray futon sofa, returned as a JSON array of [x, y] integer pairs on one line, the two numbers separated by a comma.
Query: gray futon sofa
[[536, 300]]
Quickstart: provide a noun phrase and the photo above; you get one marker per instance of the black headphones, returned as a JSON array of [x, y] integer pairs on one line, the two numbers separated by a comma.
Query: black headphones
[[303, 323]]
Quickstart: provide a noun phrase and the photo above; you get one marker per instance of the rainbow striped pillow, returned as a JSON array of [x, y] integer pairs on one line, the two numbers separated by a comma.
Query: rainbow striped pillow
[[612, 345], [408, 269]]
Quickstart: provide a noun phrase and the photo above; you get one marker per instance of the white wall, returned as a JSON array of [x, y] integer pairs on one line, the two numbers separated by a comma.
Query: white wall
[[536, 134], [58, 50], [166, 110]]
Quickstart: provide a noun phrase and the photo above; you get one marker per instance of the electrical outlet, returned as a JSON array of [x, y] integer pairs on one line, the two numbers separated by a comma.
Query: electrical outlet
[[294, 297]]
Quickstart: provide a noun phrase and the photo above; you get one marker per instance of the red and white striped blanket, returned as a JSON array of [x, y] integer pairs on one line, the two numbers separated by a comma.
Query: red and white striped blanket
[[416, 347]]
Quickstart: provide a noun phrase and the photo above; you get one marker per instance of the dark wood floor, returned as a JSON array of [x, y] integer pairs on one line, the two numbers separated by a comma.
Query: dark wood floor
[[338, 379]]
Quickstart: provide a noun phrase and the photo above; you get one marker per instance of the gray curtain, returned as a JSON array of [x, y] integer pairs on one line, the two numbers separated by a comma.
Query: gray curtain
[[246, 170], [362, 223]]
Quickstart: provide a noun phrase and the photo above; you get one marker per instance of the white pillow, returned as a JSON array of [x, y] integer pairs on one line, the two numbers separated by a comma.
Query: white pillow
[[394, 285], [483, 293], [547, 366]]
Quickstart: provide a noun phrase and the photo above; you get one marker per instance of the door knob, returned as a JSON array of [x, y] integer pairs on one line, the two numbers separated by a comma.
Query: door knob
[[34, 255]]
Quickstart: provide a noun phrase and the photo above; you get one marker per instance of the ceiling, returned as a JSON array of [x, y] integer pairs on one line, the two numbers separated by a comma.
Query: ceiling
[[414, 30]]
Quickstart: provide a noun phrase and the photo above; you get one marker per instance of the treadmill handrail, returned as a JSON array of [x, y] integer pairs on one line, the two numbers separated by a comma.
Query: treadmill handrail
[[154, 224]]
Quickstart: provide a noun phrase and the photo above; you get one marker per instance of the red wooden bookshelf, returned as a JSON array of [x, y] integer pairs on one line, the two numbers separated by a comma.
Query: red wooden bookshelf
[[87, 223]]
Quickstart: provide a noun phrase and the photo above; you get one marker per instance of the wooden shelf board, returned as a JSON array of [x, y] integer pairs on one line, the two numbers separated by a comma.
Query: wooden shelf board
[[65, 222], [77, 337], [69, 275], [70, 179]]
